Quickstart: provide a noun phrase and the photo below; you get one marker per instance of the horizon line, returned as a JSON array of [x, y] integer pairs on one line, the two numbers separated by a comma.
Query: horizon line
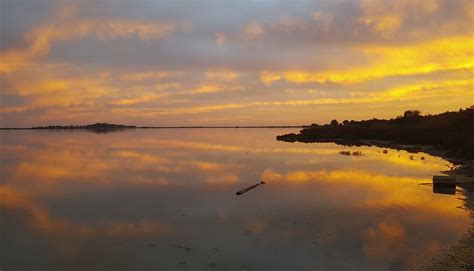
[[153, 127]]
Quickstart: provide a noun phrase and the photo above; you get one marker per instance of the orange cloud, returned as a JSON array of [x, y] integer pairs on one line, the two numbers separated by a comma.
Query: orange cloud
[[386, 17], [142, 98], [444, 54], [148, 75], [416, 68], [253, 30], [221, 75], [220, 38]]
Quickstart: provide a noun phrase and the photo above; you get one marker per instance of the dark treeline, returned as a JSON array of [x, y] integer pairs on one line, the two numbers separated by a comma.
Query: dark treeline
[[118, 126], [452, 132], [107, 127], [97, 127]]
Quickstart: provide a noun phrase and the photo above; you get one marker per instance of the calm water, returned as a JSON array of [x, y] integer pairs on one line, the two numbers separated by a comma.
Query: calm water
[[165, 200]]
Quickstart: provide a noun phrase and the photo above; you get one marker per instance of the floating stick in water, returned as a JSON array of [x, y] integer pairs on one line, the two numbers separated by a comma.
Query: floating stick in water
[[240, 192]]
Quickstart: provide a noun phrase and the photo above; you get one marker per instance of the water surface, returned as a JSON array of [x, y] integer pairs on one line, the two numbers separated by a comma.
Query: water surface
[[165, 200]]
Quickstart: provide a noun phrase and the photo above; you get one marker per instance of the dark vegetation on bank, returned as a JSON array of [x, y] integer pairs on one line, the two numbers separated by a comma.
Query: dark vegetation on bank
[[450, 132]]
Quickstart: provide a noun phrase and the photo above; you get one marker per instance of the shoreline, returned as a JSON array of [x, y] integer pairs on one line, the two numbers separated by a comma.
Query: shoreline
[[463, 170], [459, 256]]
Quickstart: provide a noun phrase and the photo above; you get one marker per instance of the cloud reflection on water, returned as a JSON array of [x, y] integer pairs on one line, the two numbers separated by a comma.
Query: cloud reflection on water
[[177, 187]]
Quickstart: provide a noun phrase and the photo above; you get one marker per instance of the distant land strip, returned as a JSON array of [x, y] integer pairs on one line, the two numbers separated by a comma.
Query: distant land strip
[[108, 126]]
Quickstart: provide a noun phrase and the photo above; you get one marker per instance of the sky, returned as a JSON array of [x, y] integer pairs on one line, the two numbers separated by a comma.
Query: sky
[[219, 62]]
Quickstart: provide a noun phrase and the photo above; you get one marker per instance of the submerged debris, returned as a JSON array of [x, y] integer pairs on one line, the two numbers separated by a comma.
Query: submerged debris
[[181, 247], [240, 192]]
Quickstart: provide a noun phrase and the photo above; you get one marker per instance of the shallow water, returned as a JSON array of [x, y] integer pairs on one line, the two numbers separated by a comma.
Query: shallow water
[[165, 200]]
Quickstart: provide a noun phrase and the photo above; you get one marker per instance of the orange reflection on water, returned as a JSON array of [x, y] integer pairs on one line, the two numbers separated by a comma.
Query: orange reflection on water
[[39, 218], [384, 190], [177, 188], [387, 241]]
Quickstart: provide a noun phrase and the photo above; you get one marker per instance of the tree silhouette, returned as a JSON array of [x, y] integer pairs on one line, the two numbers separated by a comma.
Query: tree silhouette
[[412, 113], [452, 132]]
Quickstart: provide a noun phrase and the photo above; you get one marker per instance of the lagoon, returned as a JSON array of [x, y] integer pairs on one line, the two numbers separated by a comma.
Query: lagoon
[[165, 199]]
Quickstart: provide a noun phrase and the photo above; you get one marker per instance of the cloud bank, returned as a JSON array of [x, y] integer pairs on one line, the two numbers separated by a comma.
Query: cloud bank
[[228, 63]]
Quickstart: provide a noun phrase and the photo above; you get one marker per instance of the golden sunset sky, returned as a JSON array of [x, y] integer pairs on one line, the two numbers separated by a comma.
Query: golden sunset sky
[[232, 62]]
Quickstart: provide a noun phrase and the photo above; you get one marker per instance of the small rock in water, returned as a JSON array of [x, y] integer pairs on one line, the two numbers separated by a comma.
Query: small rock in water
[[185, 248]]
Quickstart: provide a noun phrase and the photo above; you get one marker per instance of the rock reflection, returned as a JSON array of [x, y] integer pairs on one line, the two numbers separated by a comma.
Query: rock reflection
[[441, 189]]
